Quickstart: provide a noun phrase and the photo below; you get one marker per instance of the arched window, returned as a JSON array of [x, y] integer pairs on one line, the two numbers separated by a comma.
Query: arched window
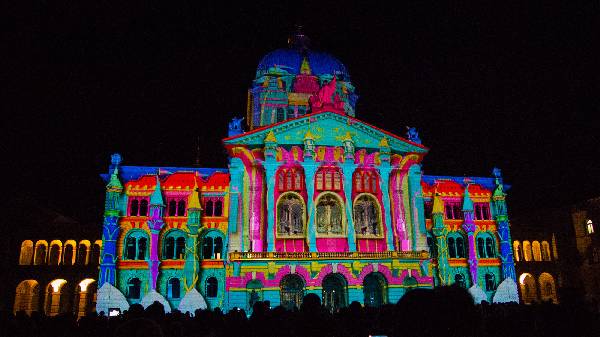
[[55, 249], [367, 217], [366, 181], [41, 248], [212, 245], [375, 290], [82, 253], [143, 207], [290, 216], [27, 297], [328, 178], [329, 215], [26, 256], [68, 254], [57, 297], [528, 287], [218, 208], [174, 288], [490, 282], [254, 292], [172, 211], [174, 245], [527, 250], [291, 291], [334, 292], [85, 300], [451, 247], [290, 179], [136, 245], [545, 251], [96, 249], [537, 252], [517, 251], [181, 208], [456, 245], [432, 246], [460, 247], [134, 287], [459, 280], [134, 207], [486, 245], [547, 288], [212, 287]]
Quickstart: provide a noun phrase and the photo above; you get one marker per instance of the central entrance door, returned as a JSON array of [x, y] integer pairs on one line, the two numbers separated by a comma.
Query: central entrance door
[[334, 292]]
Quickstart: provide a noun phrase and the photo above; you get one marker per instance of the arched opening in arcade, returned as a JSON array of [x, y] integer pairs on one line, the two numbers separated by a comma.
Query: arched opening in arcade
[[547, 288], [95, 256], [68, 256], [57, 297], [335, 293], [85, 299], [528, 288], [527, 251], [518, 253], [375, 290], [537, 252], [55, 253], [82, 253], [291, 291], [27, 297], [26, 256], [254, 292]]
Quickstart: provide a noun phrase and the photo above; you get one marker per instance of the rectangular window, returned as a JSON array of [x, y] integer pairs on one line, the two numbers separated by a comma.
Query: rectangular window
[[428, 209], [482, 211], [452, 210]]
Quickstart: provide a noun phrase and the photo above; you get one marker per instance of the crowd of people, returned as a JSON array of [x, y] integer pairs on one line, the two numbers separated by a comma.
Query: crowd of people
[[445, 311]]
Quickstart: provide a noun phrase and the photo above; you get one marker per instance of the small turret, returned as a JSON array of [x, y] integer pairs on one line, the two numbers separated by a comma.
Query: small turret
[[467, 202], [157, 204]]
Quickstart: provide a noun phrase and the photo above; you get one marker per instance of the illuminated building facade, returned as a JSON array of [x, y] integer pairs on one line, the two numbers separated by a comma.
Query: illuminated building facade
[[313, 200]]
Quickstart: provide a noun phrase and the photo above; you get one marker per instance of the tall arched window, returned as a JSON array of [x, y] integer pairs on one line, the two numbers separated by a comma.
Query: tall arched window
[[57, 296], [96, 250], [174, 288], [291, 291], [545, 251], [68, 253], [334, 292], [174, 245], [456, 245], [486, 245], [490, 282], [537, 252], [459, 280], [528, 287], [136, 245], [367, 216], [290, 216], [451, 247], [85, 300], [212, 287], [218, 208], [329, 215], [328, 178], [134, 287], [26, 256], [212, 245], [527, 251], [82, 253], [55, 250], [290, 179], [27, 297], [375, 290], [366, 181], [208, 208], [517, 251], [41, 249], [134, 207]]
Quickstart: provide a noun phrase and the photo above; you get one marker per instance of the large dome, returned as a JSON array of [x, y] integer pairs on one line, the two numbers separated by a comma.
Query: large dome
[[290, 60]]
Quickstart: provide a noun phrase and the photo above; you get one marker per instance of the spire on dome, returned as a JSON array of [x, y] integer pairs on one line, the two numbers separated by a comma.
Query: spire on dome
[[305, 67], [156, 197], [298, 40]]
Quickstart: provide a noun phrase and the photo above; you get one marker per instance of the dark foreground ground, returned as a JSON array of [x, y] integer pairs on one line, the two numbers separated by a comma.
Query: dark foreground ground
[[441, 312]]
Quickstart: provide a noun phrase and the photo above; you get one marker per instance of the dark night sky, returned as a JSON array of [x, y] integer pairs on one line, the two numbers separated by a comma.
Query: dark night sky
[[507, 85]]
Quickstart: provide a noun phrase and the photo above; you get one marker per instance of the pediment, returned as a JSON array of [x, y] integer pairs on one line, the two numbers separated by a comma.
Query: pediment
[[327, 129]]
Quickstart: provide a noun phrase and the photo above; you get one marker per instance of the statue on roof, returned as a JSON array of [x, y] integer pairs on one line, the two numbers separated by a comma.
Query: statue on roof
[[327, 97], [413, 135], [235, 127]]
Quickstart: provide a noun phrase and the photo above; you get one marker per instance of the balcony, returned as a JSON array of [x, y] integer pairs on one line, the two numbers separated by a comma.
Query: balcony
[[239, 256]]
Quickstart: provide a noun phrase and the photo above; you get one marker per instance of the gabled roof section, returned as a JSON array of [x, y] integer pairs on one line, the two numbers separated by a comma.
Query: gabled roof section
[[329, 129]]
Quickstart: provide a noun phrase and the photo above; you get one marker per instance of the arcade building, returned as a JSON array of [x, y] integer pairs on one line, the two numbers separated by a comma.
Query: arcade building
[[313, 200]]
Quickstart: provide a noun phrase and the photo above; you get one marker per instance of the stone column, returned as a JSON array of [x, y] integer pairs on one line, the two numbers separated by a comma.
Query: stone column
[[417, 209], [270, 171], [348, 169]]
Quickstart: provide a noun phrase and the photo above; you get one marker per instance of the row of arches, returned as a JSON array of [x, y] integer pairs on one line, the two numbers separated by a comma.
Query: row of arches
[[174, 288], [334, 290], [330, 216], [56, 297], [56, 253], [531, 251], [542, 290], [458, 245], [136, 245]]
